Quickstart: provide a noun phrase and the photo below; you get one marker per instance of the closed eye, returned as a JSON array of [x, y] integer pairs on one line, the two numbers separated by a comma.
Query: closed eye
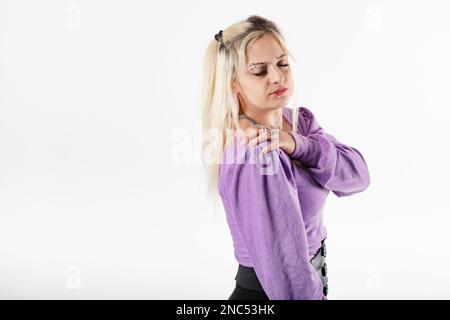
[[264, 72]]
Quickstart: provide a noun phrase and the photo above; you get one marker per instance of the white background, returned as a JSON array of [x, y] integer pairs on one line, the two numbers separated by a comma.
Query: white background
[[94, 202]]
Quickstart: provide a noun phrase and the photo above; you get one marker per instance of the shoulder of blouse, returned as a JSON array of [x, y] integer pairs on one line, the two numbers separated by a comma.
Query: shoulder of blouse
[[237, 157]]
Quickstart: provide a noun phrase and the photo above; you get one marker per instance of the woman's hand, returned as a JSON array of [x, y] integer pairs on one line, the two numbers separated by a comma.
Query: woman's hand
[[279, 139]]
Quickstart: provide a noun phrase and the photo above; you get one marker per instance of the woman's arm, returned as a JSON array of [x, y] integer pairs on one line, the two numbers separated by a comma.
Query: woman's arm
[[334, 165], [263, 201]]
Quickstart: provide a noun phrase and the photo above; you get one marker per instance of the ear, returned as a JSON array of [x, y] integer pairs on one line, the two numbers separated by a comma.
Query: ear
[[235, 87]]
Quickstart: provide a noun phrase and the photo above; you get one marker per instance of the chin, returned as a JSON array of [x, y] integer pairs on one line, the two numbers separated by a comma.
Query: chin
[[280, 103]]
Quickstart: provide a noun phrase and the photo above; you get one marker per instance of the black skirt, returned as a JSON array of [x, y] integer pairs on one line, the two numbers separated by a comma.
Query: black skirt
[[248, 286]]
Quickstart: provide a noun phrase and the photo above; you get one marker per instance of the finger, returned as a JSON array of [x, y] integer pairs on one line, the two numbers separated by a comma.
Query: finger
[[274, 134], [263, 136], [249, 134], [275, 141], [270, 147]]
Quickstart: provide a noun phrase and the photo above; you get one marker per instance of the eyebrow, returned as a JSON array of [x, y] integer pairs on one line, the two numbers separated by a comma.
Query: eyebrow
[[258, 63]]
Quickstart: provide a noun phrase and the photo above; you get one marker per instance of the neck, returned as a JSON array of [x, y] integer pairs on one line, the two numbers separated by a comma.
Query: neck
[[270, 118]]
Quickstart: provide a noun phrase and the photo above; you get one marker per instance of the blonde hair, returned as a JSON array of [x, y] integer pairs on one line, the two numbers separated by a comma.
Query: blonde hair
[[222, 61]]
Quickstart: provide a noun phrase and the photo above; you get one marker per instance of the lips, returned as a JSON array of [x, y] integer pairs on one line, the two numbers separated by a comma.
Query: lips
[[279, 90]]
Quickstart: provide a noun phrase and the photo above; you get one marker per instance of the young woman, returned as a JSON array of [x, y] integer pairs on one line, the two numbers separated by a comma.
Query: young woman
[[273, 167]]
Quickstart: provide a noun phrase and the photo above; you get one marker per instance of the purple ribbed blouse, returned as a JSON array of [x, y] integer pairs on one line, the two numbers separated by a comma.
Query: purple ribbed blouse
[[274, 204]]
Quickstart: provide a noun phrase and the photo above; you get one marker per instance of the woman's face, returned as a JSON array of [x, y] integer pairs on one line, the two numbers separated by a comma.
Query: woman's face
[[267, 70]]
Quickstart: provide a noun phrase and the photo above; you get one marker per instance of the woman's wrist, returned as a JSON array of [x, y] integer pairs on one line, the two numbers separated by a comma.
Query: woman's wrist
[[290, 144]]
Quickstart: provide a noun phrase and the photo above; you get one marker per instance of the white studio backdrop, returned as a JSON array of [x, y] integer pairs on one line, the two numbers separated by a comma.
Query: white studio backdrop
[[98, 202]]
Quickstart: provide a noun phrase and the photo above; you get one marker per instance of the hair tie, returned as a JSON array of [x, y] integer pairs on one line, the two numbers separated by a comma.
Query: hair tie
[[218, 36]]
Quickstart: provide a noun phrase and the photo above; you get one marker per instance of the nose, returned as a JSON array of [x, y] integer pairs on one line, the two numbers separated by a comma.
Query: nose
[[276, 75]]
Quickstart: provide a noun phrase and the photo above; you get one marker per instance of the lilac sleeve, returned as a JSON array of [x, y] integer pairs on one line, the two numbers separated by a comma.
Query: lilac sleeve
[[334, 165], [264, 203]]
